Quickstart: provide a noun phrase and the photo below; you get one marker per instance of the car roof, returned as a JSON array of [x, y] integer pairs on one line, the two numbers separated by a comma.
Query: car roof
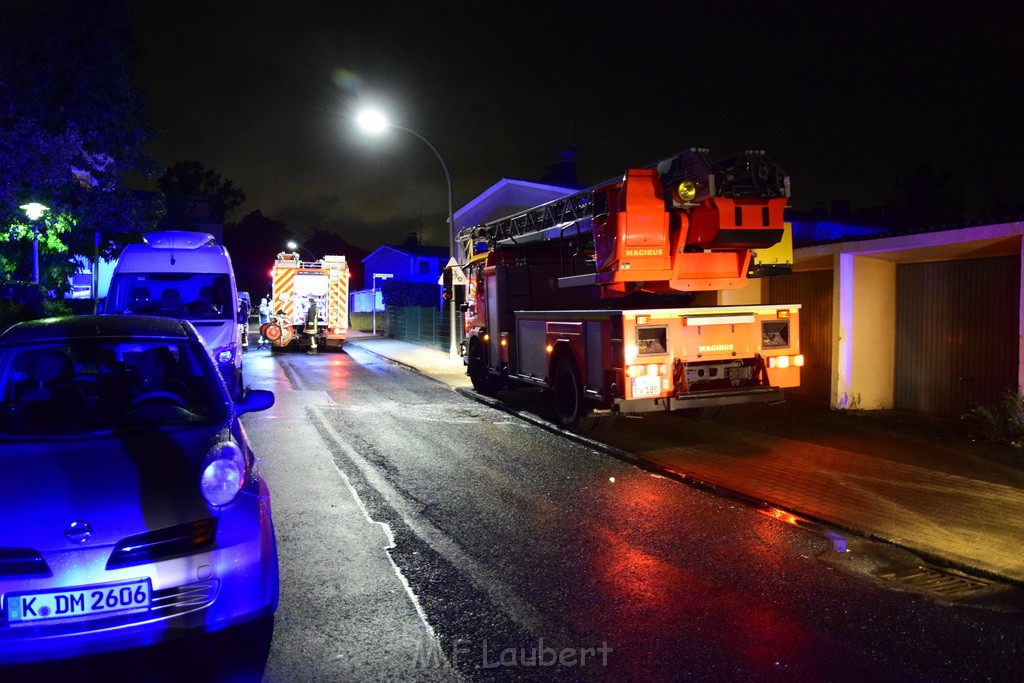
[[93, 326]]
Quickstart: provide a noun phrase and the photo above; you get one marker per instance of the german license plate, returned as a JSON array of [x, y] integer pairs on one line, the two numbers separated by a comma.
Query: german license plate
[[646, 386], [78, 602]]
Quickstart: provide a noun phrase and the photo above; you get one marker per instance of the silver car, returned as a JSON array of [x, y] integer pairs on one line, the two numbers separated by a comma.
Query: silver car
[[133, 506]]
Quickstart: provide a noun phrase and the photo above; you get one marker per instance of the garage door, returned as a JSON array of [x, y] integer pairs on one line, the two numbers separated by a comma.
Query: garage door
[[956, 333], [813, 291]]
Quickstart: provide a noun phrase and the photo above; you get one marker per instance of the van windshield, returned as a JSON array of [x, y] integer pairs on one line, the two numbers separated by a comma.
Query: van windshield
[[187, 296]]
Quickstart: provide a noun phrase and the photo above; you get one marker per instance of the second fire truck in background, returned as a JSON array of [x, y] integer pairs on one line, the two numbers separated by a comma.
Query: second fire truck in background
[[294, 282]]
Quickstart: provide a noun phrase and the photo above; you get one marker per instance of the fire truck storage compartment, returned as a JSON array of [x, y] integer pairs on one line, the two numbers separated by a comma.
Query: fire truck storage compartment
[[533, 338]]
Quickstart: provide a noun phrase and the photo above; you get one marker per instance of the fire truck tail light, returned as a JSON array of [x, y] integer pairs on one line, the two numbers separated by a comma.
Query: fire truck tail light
[[652, 370], [504, 341], [487, 337], [786, 361], [782, 313], [549, 348]]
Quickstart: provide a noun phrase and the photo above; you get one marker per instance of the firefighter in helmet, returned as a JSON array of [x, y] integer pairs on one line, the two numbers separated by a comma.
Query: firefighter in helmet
[[311, 325]]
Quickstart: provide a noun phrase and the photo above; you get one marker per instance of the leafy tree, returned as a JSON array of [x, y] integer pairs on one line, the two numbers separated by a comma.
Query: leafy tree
[[323, 242], [72, 126], [194, 193], [253, 243]]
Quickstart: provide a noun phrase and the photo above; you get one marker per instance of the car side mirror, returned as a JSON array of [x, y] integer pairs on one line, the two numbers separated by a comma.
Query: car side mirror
[[254, 400]]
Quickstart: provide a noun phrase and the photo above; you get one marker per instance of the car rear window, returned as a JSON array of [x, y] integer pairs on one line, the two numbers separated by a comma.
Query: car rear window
[[95, 385]]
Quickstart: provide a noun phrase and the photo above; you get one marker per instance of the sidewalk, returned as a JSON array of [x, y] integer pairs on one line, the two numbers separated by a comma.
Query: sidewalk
[[918, 482]]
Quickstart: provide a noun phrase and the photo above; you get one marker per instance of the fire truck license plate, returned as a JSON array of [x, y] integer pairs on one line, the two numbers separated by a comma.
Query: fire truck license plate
[[646, 386], [83, 601]]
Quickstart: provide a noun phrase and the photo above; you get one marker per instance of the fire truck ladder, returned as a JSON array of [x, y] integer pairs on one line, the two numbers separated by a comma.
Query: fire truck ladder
[[545, 222], [748, 175]]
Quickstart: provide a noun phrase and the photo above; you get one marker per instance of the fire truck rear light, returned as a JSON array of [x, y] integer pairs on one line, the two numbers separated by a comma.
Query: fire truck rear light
[[504, 342], [487, 337], [652, 370], [782, 313], [798, 361], [549, 348], [778, 362]]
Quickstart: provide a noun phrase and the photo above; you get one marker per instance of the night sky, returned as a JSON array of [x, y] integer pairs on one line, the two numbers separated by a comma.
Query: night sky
[[847, 98]]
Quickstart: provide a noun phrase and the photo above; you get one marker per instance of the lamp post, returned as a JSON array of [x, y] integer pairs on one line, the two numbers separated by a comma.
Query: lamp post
[[377, 276], [293, 245], [374, 122], [34, 211]]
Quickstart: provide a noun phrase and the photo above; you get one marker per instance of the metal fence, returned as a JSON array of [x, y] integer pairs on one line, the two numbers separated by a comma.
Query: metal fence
[[426, 326]]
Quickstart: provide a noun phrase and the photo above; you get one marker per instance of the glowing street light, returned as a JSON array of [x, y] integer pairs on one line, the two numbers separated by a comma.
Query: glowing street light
[[34, 211], [374, 122], [293, 245]]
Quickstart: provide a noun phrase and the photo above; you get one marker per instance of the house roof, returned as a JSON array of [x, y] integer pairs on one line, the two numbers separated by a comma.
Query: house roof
[[507, 196], [419, 250], [957, 242]]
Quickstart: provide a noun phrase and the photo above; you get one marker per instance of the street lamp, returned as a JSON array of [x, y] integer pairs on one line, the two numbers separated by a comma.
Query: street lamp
[[377, 276], [293, 245], [374, 122], [34, 211]]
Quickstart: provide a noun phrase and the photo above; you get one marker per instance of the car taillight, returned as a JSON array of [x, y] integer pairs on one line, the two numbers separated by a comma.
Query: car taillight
[[223, 474]]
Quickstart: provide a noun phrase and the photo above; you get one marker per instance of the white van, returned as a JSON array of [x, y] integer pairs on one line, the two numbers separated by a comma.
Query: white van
[[184, 275]]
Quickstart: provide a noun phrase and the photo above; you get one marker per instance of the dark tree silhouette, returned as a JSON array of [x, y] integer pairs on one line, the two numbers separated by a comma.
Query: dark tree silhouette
[[925, 198], [195, 194], [253, 243]]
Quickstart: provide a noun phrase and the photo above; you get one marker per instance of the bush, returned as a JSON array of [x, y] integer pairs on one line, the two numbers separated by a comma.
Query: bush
[[1002, 422], [21, 301], [400, 293], [364, 321]]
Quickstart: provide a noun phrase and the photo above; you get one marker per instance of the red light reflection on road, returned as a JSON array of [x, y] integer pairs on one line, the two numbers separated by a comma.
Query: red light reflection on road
[[650, 600], [339, 373]]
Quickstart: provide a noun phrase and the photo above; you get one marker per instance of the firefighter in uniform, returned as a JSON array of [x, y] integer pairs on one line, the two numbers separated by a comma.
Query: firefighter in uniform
[[310, 327]]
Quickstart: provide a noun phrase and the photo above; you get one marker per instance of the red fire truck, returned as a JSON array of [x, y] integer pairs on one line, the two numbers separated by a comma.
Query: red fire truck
[[294, 282], [595, 296]]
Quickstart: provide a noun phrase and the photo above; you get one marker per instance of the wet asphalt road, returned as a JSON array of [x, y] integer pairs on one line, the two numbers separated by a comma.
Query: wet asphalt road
[[426, 536]]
